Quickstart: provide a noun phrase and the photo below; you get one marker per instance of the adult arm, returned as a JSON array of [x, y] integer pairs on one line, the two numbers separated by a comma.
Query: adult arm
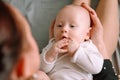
[[110, 23]]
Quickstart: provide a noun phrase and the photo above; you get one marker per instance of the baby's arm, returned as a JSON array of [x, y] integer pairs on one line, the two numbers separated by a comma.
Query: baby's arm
[[58, 47], [50, 53], [88, 58], [45, 65]]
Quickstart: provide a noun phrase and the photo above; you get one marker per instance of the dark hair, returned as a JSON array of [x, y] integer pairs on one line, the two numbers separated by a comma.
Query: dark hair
[[10, 41]]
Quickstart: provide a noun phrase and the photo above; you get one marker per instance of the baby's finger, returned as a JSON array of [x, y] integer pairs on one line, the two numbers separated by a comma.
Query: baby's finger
[[62, 43], [63, 50]]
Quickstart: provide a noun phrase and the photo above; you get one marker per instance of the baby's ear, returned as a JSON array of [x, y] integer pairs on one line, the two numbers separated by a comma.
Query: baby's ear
[[51, 29], [88, 34]]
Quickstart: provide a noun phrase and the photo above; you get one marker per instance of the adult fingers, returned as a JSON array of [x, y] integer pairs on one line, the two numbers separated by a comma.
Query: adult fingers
[[94, 18]]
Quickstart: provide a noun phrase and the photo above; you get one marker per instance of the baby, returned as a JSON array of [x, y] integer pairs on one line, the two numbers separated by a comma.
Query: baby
[[71, 54]]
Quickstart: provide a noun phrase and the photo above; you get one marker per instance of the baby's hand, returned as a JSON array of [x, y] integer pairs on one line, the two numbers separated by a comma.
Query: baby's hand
[[59, 47], [72, 47], [62, 45]]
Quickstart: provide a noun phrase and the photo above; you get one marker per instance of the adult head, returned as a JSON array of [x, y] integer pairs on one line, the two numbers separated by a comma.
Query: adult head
[[20, 42], [10, 41]]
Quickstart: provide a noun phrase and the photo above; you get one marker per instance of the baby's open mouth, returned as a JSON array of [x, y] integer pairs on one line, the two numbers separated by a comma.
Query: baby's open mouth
[[64, 37], [65, 47]]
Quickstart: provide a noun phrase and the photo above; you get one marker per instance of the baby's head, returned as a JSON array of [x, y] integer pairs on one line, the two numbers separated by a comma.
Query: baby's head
[[72, 22]]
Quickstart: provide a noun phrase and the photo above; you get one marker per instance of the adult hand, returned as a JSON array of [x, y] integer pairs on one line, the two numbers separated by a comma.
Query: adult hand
[[96, 31], [97, 28]]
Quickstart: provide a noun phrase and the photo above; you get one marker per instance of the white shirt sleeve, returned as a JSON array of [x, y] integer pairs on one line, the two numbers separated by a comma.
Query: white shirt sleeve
[[46, 66], [88, 58]]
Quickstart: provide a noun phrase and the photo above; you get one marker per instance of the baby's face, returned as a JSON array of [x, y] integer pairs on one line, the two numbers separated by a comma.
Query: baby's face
[[72, 22]]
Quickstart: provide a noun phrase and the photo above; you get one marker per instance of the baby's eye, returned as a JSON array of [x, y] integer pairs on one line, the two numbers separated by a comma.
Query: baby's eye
[[72, 26], [59, 25]]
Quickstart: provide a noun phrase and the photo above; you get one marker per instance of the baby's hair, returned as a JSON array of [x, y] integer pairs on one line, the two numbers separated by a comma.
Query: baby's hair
[[10, 41]]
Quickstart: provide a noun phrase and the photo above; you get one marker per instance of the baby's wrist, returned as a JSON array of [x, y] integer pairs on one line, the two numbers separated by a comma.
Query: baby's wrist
[[50, 57]]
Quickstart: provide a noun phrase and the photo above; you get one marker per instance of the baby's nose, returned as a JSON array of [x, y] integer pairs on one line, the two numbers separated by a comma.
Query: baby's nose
[[65, 29]]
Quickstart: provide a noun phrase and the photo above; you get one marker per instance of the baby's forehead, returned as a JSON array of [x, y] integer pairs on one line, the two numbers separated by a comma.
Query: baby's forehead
[[75, 8], [74, 14]]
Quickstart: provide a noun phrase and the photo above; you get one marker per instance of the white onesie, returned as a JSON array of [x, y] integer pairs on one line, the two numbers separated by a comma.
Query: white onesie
[[86, 61]]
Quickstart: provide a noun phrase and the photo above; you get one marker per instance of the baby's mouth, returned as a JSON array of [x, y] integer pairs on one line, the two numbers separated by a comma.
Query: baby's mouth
[[64, 37]]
